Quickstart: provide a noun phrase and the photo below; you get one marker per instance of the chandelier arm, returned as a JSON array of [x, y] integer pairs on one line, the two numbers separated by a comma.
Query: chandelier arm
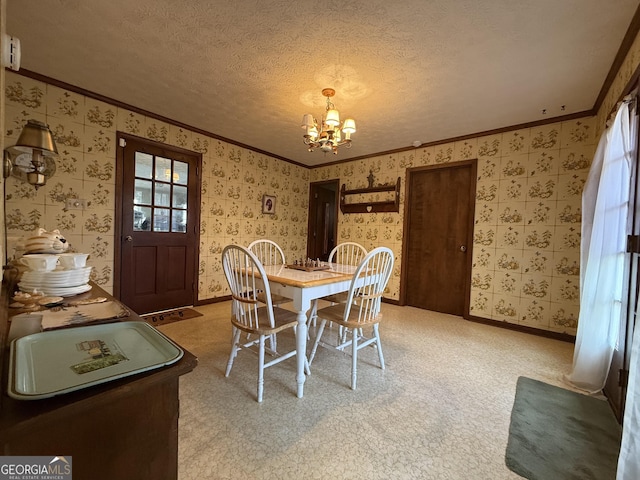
[[330, 105]]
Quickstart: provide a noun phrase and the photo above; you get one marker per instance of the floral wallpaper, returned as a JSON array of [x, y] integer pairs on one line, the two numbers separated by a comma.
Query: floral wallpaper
[[233, 183], [619, 84], [3, 246], [527, 225], [526, 238], [526, 248], [526, 234]]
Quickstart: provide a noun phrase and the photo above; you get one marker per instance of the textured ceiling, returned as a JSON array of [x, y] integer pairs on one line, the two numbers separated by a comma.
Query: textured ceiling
[[410, 70]]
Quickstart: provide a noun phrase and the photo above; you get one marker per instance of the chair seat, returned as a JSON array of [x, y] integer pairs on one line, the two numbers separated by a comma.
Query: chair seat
[[335, 314], [337, 297], [275, 298], [283, 319]]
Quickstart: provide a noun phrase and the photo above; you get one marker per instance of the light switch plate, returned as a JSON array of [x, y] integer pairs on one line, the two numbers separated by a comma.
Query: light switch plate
[[75, 204]]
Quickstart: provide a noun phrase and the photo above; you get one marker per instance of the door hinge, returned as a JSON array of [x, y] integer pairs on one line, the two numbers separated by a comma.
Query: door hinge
[[623, 378], [122, 142], [633, 243]]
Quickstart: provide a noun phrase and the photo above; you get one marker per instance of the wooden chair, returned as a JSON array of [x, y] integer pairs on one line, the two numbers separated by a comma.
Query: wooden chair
[[259, 320], [269, 253], [346, 253], [361, 312]]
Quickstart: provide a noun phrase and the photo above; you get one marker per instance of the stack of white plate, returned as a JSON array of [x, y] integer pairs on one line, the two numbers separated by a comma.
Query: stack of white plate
[[60, 283]]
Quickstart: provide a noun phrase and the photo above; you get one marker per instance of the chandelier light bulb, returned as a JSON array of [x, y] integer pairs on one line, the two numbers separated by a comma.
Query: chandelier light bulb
[[313, 133]]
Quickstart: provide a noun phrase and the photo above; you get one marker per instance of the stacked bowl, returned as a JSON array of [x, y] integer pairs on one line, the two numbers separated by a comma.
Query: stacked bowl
[[70, 277]]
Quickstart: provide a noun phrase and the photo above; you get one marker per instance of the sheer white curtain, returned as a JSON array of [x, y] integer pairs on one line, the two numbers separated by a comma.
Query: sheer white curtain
[[604, 228], [629, 459]]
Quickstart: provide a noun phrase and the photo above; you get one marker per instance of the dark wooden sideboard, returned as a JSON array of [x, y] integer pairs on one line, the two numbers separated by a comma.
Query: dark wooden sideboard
[[125, 429]]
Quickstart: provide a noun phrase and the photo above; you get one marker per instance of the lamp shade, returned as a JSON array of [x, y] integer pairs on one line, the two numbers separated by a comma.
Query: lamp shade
[[307, 120], [349, 126], [36, 135], [333, 118]]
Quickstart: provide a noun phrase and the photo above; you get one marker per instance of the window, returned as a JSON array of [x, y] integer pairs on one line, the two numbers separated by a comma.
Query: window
[[160, 194]]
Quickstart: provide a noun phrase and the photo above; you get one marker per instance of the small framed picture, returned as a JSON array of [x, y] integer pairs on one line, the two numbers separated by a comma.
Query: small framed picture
[[268, 204]]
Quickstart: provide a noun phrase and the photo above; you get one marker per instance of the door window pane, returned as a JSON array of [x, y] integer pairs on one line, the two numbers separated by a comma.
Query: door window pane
[[142, 219], [142, 192], [163, 169], [161, 219], [180, 172], [179, 221], [179, 197], [162, 195], [144, 165]]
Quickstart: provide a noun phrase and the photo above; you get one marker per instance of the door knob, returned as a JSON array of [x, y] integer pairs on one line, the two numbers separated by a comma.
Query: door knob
[[128, 238], [463, 248]]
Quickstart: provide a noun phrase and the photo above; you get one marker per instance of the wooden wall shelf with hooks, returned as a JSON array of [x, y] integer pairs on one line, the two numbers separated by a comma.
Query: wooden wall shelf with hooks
[[392, 205]]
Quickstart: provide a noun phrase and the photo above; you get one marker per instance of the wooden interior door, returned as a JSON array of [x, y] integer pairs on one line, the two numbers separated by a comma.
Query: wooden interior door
[[439, 209], [158, 225], [323, 212]]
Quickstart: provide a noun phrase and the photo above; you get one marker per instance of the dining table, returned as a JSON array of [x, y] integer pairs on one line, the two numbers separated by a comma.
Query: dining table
[[304, 287]]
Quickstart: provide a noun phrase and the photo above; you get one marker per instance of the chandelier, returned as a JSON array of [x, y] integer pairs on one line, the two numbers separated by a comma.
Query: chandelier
[[326, 135]]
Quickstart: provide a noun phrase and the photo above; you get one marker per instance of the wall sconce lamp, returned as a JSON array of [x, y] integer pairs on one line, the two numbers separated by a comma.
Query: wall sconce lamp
[[32, 158]]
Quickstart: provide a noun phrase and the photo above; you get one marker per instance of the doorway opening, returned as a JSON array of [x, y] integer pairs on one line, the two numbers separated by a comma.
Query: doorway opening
[[322, 231]]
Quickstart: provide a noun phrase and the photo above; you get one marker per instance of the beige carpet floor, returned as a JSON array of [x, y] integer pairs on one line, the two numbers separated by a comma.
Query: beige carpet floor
[[440, 410]]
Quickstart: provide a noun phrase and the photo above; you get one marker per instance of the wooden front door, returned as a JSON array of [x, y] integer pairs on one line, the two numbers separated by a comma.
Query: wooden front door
[[323, 212], [439, 211], [159, 225]]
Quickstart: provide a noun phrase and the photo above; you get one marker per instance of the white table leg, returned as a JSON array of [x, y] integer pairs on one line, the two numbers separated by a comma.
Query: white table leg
[[301, 350]]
